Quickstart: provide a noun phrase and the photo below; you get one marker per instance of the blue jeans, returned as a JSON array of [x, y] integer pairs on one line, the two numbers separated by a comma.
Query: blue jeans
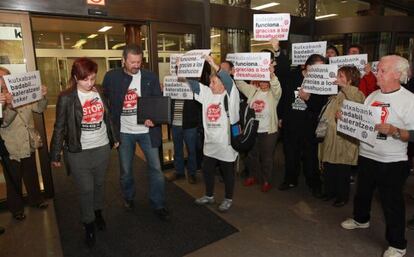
[[190, 138], [126, 156]]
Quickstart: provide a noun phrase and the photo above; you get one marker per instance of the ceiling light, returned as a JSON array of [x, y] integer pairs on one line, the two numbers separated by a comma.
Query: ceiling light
[[79, 43], [105, 28], [344, 1], [264, 6], [325, 16], [118, 46], [92, 35], [216, 35]]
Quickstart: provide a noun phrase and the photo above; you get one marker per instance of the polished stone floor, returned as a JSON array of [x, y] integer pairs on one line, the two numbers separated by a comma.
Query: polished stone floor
[[289, 223]]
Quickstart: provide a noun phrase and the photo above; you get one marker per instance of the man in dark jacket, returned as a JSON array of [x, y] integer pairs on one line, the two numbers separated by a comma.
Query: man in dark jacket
[[123, 87]]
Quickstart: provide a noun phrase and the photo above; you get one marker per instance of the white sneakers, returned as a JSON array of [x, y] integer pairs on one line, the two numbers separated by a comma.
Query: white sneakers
[[352, 224], [394, 252], [223, 207]]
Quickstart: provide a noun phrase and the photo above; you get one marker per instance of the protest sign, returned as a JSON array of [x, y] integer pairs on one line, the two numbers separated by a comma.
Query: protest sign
[[25, 87], [173, 63], [191, 63], [175, 89], [251, 66], [357, 60], [301, 51], [268, 26], [320, 79], [359, 121], [374, 67]]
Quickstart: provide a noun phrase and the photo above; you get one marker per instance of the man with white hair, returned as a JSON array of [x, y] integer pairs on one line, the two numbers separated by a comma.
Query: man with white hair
[[384, 165]]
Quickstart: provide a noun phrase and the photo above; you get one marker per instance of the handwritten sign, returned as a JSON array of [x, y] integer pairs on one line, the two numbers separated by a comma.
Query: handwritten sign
[[268, 26], [250, 66], [25, 87], [175, 89], [357, 60], [191, 63], [320, 79], [173, 63], [301, 51], [359, 121]]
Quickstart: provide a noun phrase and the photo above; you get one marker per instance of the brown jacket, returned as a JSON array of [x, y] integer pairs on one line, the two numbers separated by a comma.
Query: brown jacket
[[339, 148]]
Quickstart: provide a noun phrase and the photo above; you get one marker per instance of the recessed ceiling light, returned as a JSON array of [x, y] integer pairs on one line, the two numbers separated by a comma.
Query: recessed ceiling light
[[264, 6], [92, 35], [105, 28], [216, 35], [325, 16]]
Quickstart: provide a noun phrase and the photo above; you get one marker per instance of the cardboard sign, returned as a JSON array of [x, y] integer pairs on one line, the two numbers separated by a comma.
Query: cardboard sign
[[359, 121], [374, 67], [191, 63], [25, 87], [175, 89], [357, 60], [268, 26], [250, 66], [173, 63], [320, 79], [301, 51]]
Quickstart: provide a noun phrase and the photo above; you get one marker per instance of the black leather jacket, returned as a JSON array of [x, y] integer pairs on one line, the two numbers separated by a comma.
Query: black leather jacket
[[67, 130]]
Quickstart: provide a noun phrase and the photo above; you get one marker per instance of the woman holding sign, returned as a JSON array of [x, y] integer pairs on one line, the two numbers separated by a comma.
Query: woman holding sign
[[83, 130], [15, 132], [339, 152], [263, 97]]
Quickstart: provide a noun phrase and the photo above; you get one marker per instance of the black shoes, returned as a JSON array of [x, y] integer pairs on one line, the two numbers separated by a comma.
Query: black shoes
[[192, 179], [163, 214], [286, 186], [99, 220], [129, 205], [90, 238]]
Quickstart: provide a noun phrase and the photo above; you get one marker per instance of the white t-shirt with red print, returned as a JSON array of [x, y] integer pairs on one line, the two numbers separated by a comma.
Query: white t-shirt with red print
[[397, 109], [260, 106], [129, 110], [216, 123], [93, 127]]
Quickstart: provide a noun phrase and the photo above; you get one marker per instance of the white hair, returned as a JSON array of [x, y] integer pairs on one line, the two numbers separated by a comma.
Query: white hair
[[401, 65]]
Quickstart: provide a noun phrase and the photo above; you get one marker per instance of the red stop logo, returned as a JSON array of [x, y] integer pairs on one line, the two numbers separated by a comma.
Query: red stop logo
[[258, 106], [92, 111], [384, 110], [213, 112], [131, 99]]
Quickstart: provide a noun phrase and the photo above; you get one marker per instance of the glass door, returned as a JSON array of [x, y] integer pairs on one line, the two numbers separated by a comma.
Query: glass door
[[17, 55], [170, 39]]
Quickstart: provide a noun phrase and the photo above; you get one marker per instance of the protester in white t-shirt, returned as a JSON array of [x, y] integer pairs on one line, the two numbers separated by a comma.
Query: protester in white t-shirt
[[217, 147], [384, 164], [263, 97], [84, 131]]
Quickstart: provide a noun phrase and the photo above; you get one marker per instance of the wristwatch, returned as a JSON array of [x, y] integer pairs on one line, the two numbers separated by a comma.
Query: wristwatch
[[397, 134]]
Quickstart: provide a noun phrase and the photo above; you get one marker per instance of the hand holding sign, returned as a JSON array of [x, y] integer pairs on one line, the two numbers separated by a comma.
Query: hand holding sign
[[303, 95], [385, 128], [275, 43], [44, 90]]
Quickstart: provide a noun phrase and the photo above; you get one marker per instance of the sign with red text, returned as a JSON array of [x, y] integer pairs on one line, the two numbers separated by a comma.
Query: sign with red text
[[357, 60], [192, 63], [320, 79], [96, 2], [301, 51], [268, 26], [250, 66], [177, 90], [24, 87], [358, 121]]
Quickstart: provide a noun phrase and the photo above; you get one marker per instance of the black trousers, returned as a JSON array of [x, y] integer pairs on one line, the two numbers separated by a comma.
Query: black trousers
[[299, 147], [337, 179], [24, 170], [209, 170], [389, 178]]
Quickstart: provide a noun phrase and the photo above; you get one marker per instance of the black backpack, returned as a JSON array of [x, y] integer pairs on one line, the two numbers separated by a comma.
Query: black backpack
[[244, 132]]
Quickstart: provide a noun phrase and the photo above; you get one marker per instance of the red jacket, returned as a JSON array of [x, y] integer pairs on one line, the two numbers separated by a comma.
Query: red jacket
[[368, 84]]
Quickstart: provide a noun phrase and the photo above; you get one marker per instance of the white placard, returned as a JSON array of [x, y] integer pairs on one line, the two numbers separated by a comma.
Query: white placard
[[250, 66], [191, 63], [357, 60], [320, 79], [268, 26], [173, 63], [301, 51], [10, 33], [25, 87], [374, 67], [175, 89], [358, 121]]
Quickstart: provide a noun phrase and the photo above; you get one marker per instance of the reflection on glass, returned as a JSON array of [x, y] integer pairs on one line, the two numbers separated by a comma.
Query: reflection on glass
[[116, 42], [224, 41], [331, 9], [11, 48], [83, 41], [405, 46], [47, 40], [374, 44]]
